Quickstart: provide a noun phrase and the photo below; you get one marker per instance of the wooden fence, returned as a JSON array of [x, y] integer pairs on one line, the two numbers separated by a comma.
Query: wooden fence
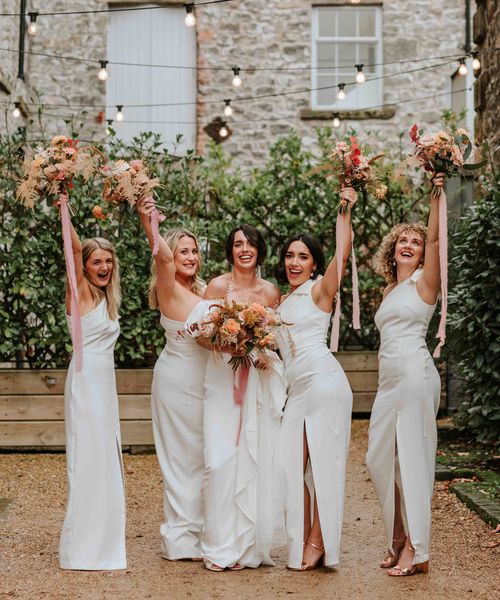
[[32, 402]]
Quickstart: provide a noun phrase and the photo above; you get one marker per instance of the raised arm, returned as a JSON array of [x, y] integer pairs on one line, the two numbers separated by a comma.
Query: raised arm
[[324, 292], [164, 259], [430, 282]]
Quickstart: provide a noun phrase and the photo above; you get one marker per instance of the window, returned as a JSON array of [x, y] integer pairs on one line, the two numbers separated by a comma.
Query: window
[[341, 38], [153, 37]]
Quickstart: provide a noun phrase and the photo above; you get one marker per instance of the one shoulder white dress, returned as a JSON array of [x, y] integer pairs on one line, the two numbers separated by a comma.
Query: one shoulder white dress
[[93, 534], [319, 403], [403, 435], [177, 411]]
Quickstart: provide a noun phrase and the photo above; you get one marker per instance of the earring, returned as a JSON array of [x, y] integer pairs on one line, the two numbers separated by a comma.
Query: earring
[[393, 263], [312, 274]]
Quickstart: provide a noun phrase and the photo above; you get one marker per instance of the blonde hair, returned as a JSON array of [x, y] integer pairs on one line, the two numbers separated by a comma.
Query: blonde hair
[[384, 258], [172, 237], [111, 292]]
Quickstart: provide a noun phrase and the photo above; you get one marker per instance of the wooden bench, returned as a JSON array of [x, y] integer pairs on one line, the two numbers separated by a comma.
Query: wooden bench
[[32, 402]]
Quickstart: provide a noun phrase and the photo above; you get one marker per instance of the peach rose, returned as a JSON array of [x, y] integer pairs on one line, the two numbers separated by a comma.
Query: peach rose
[[231, 326]]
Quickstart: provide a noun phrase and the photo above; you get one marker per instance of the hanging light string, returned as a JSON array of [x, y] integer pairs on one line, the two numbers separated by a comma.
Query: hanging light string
[[273, 120], [240, 98], [452, 57], [112, 10]]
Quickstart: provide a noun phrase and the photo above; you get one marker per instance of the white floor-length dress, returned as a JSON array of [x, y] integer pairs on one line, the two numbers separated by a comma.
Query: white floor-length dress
[[403, 435], [177, 410], [93, 534], [241, 504], [319, 402]]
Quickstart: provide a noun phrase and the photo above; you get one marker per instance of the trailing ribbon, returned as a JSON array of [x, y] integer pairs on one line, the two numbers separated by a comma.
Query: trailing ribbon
[[341, 227], [440, 194], [239, 391], [155, 220], [76, 321]]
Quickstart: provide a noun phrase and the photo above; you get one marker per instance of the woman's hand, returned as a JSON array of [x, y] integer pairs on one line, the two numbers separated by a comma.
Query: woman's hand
[[438, 180], [348, 197], [145, 206]]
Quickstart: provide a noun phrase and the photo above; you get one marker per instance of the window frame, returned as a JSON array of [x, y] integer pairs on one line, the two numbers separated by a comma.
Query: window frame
[[315, 39]]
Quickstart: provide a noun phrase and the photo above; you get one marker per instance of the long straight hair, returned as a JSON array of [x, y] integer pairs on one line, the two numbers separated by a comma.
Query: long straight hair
[[172, 237], [111, 292]]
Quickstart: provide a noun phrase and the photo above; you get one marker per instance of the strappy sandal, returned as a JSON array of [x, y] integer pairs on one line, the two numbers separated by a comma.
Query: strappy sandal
[[311, 567], [392, 559], [236, 567], [213, 567], [398, 571]]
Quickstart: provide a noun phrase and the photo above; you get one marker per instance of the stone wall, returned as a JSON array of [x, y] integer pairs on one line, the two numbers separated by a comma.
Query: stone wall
[[487, 86], [256, 33]]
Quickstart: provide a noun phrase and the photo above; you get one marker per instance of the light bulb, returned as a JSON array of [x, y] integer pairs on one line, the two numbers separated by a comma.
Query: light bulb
[[236, 77], [16, 113], [341, 93], [103, 74], [476, 63], [336, 121], [228, 111], [108, 130], [354, 1], [223, 131], [32, 27], [189, 19], [462, 69], [119, 114], [360, 76]]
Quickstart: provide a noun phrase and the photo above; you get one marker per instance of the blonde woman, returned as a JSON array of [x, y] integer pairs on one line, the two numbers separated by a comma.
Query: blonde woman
[[177, 391], [402, 436], [93, 534]]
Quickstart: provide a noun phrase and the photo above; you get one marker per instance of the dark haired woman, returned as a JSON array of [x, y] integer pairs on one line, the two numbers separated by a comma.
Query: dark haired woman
[[317, 419], [402, 436], [239, 438]]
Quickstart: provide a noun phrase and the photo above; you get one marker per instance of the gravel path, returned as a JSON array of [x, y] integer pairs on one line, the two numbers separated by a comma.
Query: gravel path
[[462, 564]]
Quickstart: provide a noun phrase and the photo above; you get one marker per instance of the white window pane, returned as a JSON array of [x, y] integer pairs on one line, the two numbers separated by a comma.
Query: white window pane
[[366, 23], [326, 55], [326, 18], [347, 57], [367, 54], [346, 23], [326, 97]]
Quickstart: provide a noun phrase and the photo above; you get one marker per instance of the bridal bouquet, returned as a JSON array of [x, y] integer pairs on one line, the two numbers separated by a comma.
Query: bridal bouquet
[[52, 170], [249, 329], [130, 182]]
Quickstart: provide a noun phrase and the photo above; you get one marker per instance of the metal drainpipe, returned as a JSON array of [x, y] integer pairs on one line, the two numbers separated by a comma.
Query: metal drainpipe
[[22, 35], [468, 36]]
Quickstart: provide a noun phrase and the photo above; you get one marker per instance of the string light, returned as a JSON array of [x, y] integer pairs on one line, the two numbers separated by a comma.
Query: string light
[[336, 120], [354, 1], [228, 111], [119, 114], [223, 131], [103, 74], [341, 93], [476, 63], [190, 19], [462, 69], [32, 27], [110, 123], [360, 76], [16, 113], [236, 77]]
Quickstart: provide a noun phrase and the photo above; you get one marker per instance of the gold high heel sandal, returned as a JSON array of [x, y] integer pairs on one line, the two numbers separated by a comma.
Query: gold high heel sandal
[[311, 567], [398, 571], [392, 559]]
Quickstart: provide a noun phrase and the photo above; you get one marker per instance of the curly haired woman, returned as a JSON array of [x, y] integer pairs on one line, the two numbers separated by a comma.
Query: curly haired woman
[[402, 434]]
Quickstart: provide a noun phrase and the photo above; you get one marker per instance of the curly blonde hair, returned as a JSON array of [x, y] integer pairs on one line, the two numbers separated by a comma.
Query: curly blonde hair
[[384, 258], [173, 237]]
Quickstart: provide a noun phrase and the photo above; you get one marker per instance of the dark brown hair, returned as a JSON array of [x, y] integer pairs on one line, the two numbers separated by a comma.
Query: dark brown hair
[[253, 235]]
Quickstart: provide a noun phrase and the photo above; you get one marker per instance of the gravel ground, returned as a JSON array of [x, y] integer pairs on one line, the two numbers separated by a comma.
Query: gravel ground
[[462, 563]]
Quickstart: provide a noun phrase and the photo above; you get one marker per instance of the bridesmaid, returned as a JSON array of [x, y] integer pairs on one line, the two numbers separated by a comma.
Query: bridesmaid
[[402, 435], [239, 439], [93, 534], [177, 390], [317, 419]]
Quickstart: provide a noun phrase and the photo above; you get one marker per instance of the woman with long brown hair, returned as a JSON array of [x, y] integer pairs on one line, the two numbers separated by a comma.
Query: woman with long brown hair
[[177, 392], [93, 534]]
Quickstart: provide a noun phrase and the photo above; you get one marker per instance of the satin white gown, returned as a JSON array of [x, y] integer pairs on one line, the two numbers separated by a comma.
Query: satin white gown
[[177, 411], [319, 402], [403, 435], [93, 534], [241, 506]]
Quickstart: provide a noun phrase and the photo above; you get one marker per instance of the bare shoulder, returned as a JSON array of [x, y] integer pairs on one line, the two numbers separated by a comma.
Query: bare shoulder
[[218, 286], [388, 289], [271, 293]]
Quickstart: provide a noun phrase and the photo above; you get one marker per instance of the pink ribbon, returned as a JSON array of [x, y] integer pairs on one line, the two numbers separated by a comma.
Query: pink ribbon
[[155, 220], [341, 227], [239, 392], [76, 321], [438, 192]]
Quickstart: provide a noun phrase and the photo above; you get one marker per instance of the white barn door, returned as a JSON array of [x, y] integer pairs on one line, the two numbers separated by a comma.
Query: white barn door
[[153, 37]]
